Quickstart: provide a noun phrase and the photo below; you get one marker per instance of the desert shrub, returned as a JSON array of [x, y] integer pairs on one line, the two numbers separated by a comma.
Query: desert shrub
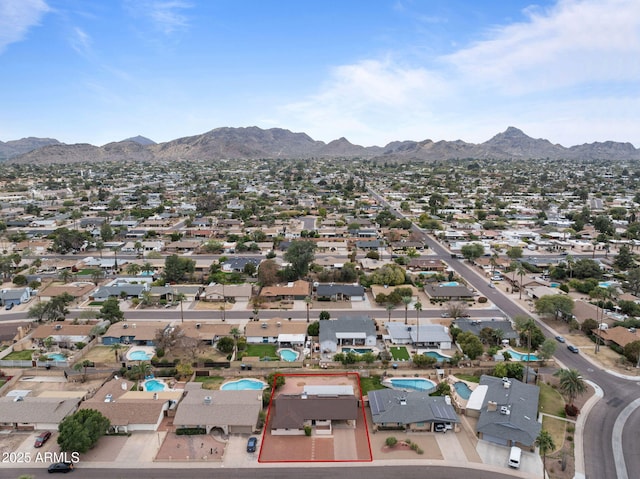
[[391, 441], [571, 410]]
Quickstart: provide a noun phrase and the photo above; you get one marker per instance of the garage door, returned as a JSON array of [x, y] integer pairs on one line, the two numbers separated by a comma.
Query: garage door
[[495, 440]]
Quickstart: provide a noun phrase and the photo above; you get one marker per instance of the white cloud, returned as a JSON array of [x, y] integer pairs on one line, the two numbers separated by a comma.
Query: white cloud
[[166, 15], [568, 73], [16, 17], [81, 41]]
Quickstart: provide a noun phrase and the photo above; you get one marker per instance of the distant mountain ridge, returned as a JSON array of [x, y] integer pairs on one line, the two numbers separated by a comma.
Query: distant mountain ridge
[[254, 143]]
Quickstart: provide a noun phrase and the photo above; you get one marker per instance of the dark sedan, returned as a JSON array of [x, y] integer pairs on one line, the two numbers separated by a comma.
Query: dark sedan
[[61, 467]]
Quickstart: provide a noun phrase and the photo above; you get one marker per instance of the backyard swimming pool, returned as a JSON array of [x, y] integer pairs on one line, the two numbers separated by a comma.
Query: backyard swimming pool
[[462, 389], [288, 355], [357, 350], [56, 357], [414, 384], [140, 354], [522, 357], [243, 385], [437, 355], [154, 385], [450, 283]]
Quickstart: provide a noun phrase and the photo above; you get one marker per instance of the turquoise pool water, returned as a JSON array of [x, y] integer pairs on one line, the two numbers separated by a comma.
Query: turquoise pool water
[[357, 350], [139, 355], [244, 384], [154, 385], [522, 357], [56, 357], [462, 389], [450, 283], [437, 355], [415, 384], [288, 355], [606, 284], [554, 285]]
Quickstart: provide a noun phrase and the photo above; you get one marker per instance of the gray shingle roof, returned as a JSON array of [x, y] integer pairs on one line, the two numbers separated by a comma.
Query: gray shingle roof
[[408, 407], [291, 411], [359, 324], [521, 400], [345, 289], [36, 410], [227, 408]]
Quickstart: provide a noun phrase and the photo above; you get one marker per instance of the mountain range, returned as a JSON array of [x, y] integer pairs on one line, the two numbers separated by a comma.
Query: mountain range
[[254, 143]]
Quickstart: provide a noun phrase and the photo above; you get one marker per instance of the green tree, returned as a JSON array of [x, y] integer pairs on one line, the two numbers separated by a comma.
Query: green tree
[[83, 365], [299, 254], [82, 430], [57, 307], [632, 352], [545, 443], [133, 269], [225, 344], [313, 329], [472, 251], [116, 348], [470, 344], [557, 305], [110, 311], [324, 315], [624, 259], [176, 268], [571, 383], [547, 349], [389, 274], [633, 281], [38, 311]]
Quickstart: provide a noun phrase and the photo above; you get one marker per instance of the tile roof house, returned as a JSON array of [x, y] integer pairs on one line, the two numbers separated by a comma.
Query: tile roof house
[[296, 290], [347, 331], [618, 335], [33, 413], [508, 412], [218, 292], [409, 410], [290, 413], [63, 332], [235, 412]]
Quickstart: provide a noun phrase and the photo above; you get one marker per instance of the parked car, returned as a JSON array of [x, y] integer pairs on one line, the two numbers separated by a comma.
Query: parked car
[[252, 444], [8, 306], [42, 438], [560, 339], [440, 427], [60, 467], [573, 349]]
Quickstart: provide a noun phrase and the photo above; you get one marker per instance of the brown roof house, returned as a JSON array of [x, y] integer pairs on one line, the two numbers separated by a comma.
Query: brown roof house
[[318, 407], [130, 411], [22, 412], [618, 335], [291, 291], [234, 412]]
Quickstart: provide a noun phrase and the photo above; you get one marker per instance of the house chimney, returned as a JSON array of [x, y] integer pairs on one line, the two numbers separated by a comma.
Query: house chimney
[[492, 406]]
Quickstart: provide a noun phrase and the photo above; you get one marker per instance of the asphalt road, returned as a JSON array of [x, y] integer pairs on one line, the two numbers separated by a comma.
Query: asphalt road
[[302, 471]]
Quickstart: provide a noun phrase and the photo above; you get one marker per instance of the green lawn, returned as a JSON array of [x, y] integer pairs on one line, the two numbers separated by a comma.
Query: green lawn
[[550, 401], [2, 382], [204, 379], [261, 350], [399, 353], [468, 377], [370, 384], [19, 355]]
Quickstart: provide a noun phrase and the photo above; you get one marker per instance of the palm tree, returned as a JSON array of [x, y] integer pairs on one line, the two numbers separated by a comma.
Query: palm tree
[[147, 267], [521, 270], [418, 308], [526, 325], [390, 307], [406, 300], [115, 347], [545, 442], [133, 269], [235, 332], [142, 370], [83, 365], [308, 301], [65, 275], [571, 383]]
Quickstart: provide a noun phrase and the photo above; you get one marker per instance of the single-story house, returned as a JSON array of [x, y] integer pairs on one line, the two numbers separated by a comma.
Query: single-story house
[[340, 292], [63, 333], [276, 330], [295, 290], [118, 290], [410, 410], [421, 264], [347, 331], [15, 296], [507, 411], [238, 264], [477, 325], [619, 335], [26, 413], [448, 293], [206, 332], [234, 412], [79, 291], [222, 292], [428, 335], [140, 334], [318, 407]]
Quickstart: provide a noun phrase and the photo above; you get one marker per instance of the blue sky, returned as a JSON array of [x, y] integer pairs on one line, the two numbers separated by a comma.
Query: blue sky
[[371, 71]]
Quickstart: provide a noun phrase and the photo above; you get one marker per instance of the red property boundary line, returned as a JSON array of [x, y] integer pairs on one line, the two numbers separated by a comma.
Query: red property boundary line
[[366, 426]]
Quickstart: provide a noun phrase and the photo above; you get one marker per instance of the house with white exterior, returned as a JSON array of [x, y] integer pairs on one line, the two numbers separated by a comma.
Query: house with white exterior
[[347, 331], [433, 336]]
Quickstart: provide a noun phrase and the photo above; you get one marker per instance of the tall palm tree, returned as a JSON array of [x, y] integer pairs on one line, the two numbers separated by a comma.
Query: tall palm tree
[[526, 325], [116, 347], [147, 267], [308, 301], [418, 308], [521, 270], [571, 383], [235, 332], [390, 307], [406, 300], [545, 443]]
